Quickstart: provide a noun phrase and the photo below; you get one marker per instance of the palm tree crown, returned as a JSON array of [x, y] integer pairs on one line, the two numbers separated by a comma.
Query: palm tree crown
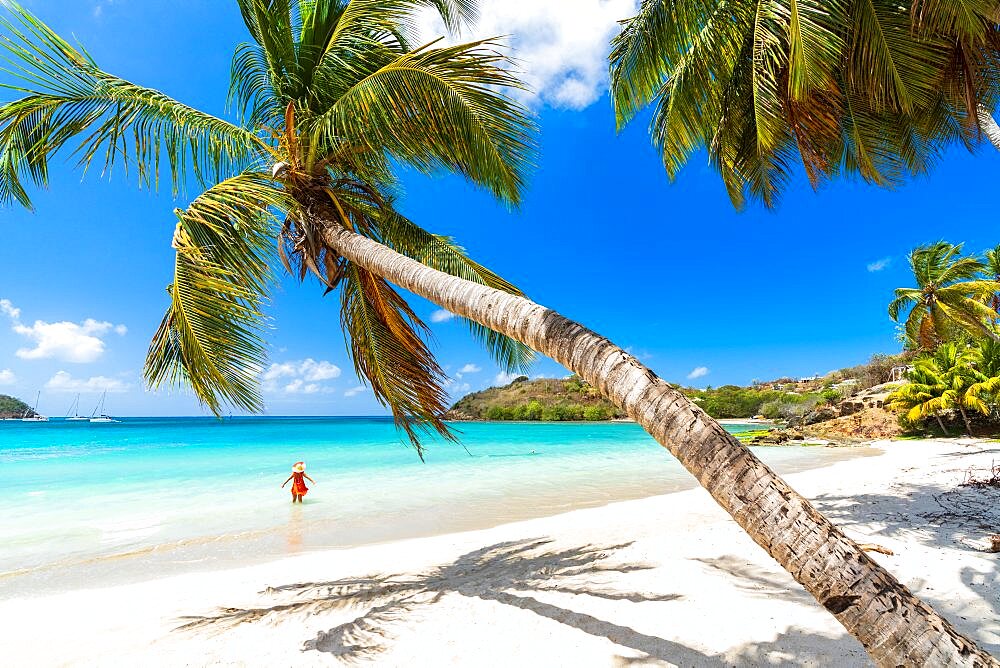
[[330, 95], [949, 297], [857, 87]]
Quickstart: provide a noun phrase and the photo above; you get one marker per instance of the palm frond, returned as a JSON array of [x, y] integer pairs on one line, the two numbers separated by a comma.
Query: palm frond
[[438, 109], [210, 338], [399, 18], [904, 297], [67, 95], [385, 343]]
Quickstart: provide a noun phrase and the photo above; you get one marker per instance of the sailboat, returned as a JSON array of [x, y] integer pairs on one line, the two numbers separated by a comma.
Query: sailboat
[[99, 416], [35, 417], [73, 415]]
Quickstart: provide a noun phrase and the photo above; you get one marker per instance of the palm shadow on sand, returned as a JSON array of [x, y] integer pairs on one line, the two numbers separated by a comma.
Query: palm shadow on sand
[[507, 573], [937, 516]]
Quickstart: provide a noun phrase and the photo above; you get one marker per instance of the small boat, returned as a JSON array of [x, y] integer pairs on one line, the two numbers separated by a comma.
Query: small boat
[[99, 416], [34, 417], [73, 415]]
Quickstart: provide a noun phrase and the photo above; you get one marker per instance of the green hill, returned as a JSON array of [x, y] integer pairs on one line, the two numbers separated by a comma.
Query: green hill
[[544, 399], [788, 399], [11, 407]]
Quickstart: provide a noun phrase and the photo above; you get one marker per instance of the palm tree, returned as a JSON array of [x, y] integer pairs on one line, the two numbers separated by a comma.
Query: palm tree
[[955, 377], [920, 397], [949, 297], [955, 365], [983, 393], [332, 96], [855, 87]]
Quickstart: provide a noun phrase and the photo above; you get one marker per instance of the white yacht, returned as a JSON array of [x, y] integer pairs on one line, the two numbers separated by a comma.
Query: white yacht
[[35, 417], [73, 415], [99, 416]]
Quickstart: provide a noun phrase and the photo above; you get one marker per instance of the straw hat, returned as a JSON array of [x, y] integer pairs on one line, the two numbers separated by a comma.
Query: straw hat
[[299, 467]]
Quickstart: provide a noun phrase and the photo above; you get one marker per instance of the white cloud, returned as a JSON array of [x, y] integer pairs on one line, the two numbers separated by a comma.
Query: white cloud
[[505, 378], [299, 376], [560, 46], [64, 382], [79, 343], [698, 372], [455, 387], [355, 391], [300, 386], [8, 308], [66, 341], [470, 368], [99, 6], [277, 371], [879, 265], [7, 377], [441, 316], [314, 371]]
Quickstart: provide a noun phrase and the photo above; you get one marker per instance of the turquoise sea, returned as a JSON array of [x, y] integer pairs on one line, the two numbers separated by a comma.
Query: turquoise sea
[[94, 504]]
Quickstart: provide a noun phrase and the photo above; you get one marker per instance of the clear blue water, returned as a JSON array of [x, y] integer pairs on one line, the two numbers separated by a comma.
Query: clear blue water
[[96, 503]]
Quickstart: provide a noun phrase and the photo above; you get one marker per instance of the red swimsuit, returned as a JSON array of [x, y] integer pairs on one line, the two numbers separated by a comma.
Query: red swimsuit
[[299, 484]]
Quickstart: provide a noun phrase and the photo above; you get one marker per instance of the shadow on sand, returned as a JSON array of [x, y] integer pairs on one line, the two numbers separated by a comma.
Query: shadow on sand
[[508, 573], [953, 517]]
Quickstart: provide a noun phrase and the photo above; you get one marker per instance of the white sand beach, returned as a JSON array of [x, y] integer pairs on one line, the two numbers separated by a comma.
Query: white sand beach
[[668, 580]]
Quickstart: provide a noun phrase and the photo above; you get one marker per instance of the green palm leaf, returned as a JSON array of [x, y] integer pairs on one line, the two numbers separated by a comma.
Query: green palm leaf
[[844, 87], [66, 95], [386, 345], [211, 335], [438, 109]]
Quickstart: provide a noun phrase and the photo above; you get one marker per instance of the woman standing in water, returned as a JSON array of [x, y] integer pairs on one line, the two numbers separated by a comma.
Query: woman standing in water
[[299, 477]]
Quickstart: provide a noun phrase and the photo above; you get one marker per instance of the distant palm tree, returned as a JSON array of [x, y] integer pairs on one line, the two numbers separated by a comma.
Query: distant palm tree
[[920, 397], [847, 87], [333, 96], [983, 394], [949, 297], [955, 367], [955, 377]]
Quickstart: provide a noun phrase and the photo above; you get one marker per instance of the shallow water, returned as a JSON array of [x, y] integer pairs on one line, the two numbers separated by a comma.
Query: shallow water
[[101, 504]]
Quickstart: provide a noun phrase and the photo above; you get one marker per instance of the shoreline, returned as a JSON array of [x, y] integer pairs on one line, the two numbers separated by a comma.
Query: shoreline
[[306, 530], [667, 578]]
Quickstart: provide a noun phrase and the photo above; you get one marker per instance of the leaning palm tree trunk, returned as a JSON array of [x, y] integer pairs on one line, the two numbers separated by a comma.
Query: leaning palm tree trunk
[[988, 126], [894, 626]]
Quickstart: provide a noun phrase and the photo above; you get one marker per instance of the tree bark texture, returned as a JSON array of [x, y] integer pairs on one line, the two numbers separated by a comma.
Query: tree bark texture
[[989, 126]]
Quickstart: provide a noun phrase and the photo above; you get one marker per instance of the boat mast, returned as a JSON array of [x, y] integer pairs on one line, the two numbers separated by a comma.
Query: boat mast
[[74, 409], [100, 406], [33, 411]]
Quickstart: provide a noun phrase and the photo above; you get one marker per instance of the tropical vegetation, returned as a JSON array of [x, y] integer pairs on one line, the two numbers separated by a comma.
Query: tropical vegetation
[[542, 399], [870, 88], [952, 326], [11, 407], [954, 296], [331, 96]]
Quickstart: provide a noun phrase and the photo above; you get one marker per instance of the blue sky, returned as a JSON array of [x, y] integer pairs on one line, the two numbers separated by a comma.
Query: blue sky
[[669, 270]]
